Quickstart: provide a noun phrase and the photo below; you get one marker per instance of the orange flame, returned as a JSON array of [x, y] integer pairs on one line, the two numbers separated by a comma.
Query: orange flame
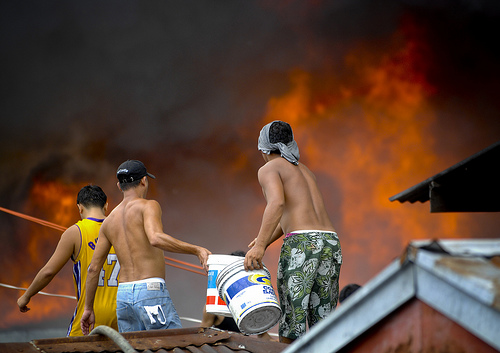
[[55, 202], [369, 134]]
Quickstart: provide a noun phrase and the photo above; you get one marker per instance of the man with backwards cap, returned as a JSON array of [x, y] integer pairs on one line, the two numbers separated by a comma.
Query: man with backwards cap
[[134, 228], [310, 258]]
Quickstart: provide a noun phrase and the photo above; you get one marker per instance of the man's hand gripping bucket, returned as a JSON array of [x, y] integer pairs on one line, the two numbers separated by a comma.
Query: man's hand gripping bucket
[[249, 296]]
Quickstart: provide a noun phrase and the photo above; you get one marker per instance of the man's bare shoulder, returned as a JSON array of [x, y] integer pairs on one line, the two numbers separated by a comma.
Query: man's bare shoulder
[[151, 208], [279, 165], [114, 216], [303, 167], [151, 202], [72, 234], [267, 169], [273, 165], [141, 205]]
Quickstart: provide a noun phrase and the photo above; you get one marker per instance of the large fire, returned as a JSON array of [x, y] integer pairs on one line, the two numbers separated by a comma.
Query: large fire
[[365, 129], [55, 202], [367, 136]]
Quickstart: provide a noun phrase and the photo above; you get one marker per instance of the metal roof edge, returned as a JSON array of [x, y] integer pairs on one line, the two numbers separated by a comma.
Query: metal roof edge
[[368, 305], [413, 188], [465, 307], [411, 275], [457, 279], [427, 181], [461, 247]]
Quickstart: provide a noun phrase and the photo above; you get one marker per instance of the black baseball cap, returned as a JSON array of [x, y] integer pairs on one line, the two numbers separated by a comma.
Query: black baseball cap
[[132, 170]]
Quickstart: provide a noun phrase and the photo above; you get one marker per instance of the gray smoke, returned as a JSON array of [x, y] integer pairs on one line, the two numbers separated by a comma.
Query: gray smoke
[[184, 86]]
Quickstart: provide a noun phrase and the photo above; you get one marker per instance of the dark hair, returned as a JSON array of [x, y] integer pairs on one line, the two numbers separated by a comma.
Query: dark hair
[[238, 253], [279, 131], [348, 290], [125, 186], [91, 196]]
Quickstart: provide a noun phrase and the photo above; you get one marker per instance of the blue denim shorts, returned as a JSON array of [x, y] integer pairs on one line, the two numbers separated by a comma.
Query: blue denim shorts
[[145, 306]]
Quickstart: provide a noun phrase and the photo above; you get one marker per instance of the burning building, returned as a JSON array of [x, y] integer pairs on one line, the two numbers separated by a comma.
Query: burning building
[[379, 97]]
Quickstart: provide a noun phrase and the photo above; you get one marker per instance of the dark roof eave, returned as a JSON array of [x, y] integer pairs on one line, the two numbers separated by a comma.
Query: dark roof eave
[[468, 186]]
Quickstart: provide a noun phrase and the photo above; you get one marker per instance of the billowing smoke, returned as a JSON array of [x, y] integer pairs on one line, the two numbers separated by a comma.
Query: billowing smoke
[[381, 96]]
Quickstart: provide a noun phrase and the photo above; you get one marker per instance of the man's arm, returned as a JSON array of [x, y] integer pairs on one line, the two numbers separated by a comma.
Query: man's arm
[[61, 255], [272, 188], [208, 319], [278, 233], [158, 238], [100, 254]]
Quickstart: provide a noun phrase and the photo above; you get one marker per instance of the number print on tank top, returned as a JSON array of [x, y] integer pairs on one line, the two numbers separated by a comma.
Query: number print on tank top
[[112, 280]]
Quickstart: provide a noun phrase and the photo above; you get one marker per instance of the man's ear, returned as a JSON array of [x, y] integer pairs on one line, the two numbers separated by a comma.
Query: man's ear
[[118, 185]]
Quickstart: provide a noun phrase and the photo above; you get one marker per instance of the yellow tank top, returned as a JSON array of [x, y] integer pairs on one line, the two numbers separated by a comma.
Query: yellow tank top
[[105, 297]]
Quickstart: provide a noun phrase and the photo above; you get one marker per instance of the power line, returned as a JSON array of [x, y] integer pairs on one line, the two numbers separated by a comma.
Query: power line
[[43, 293], [62, 228]]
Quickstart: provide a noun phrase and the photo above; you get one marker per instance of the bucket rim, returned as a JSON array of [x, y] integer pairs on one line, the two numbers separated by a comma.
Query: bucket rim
[[222, 274], [220, 282], [269, 307], [216, 259]]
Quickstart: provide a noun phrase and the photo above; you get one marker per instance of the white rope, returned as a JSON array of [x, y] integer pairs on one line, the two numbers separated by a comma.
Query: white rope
[[71, 297], [189, 319], [42, 293]]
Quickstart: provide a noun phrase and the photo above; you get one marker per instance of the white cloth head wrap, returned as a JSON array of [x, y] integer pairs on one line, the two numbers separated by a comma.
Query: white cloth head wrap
[[289, 151]]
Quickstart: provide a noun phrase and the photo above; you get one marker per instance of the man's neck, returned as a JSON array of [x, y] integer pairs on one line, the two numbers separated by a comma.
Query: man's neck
[[95, 212], [272, 156], [134, 193]]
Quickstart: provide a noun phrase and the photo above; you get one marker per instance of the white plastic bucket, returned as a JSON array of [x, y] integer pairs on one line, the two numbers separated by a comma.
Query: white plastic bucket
[[216, 263], [250, 297]]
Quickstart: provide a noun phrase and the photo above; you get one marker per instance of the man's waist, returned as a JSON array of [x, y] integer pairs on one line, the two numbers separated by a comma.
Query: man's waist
[[309, 231], [146, 280]]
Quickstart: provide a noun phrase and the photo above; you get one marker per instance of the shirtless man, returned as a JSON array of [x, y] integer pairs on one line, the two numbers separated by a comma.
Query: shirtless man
[[310, 258], [134, 228]]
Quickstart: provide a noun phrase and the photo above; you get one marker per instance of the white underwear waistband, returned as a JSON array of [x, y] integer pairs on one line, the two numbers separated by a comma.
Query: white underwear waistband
[[146, 280], [308, 231]]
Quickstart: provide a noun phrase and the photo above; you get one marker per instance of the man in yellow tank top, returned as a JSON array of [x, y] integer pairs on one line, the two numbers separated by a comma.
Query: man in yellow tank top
[[78, 243]]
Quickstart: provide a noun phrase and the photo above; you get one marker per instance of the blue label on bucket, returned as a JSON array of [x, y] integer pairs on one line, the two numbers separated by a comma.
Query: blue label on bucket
[[212, 277], [245, 282]]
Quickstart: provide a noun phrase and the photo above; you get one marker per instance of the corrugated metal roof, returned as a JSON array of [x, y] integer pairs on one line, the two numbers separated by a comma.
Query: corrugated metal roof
[[156, 341], [457, 278], [469, 186]]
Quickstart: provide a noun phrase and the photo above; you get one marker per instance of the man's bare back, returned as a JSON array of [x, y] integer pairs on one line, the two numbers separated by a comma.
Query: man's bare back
[[304, 207], [293, 203], [134, 228], [125, 228]]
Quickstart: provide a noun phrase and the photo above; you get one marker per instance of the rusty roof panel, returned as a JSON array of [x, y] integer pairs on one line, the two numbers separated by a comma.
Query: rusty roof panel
[[189, 340], [22, 347], [470, 265]]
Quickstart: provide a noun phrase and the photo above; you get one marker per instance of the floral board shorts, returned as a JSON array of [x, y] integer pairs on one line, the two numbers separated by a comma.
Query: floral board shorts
[[308, 279]]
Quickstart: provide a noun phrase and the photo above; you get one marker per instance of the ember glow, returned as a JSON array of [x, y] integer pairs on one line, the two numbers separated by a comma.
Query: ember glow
[[366, 136], [380, 98], [55, 202]]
